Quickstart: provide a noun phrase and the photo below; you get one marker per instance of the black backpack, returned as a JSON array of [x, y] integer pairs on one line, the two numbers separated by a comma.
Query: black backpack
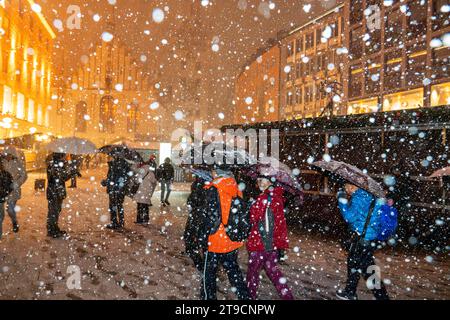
[[238, 226], [6, 185]]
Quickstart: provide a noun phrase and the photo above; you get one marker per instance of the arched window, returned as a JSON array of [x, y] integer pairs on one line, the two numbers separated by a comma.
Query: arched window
[[107, 114], [80, 120], [132, 117]]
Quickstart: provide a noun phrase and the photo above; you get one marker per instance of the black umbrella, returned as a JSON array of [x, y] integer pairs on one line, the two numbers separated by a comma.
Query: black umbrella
[[216, 154], [353, 175], [121, 151]]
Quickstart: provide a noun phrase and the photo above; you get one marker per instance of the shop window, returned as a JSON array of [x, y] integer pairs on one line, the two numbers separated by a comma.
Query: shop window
[[440, 95], [363, 106], [393, 70], [356, 43], [403, 100], [393, 29], [417, 20], [441, 62]]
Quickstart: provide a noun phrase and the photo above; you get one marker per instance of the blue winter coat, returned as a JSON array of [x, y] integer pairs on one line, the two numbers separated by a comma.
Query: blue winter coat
[[355, 213]]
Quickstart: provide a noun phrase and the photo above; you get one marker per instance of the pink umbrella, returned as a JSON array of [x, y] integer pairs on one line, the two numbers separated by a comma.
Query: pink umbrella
[[441, 173]]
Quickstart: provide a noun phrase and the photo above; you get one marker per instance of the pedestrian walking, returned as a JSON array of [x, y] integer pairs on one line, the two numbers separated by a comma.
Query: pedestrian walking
[[75, 162], [362, 213], [221, 249], [195, 238], [58, 172], [145, 176], [115, 183], [268, 235], [6, 187], [165, 175], [14, 163]]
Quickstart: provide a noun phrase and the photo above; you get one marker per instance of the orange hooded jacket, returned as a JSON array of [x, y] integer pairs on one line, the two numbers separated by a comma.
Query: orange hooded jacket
[[219, 242]]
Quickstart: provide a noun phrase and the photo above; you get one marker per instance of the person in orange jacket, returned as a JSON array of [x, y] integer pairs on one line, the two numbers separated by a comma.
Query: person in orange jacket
[[221, 250]]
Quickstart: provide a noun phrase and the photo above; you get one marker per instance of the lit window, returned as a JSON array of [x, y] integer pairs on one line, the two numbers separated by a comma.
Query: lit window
[[40, 118], [403, 100], [363, 106], [440, 95], [20, 106], [30, 110], [7, 100]]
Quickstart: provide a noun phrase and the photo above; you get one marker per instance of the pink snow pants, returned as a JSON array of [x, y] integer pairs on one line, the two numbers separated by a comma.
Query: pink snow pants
[[268, 261]]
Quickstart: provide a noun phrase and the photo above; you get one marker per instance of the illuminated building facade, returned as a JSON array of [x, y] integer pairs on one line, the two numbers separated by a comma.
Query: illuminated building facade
[[398, 55], [26, 42], [311, 63], [257, 87], [108, 99]]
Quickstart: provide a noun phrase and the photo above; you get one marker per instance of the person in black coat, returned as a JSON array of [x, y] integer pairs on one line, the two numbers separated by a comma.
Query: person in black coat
[[6, 187], [165, 175], [195, 238], [115, 183], [58, 172]]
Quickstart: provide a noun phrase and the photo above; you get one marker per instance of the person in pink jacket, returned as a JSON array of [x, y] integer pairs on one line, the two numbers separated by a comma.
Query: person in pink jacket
[[268, 234]]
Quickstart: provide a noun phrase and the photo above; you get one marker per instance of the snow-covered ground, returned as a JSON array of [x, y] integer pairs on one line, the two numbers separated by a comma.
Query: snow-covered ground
[[148, 262]]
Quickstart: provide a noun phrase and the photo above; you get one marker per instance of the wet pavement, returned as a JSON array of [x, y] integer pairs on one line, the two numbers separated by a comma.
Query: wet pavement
[[148, 262]]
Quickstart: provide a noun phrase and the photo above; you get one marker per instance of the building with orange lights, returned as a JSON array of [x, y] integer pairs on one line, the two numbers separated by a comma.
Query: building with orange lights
[[398, 55], [311, 63], [257, 87], [26, 41], [108, 99]]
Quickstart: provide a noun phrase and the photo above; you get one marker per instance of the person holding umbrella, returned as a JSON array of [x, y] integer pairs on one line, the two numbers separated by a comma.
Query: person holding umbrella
[[58, 172], [360, 206], [268, 234]]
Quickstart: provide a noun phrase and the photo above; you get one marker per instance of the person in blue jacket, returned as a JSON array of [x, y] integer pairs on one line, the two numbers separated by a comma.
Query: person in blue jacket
[[360, 259]]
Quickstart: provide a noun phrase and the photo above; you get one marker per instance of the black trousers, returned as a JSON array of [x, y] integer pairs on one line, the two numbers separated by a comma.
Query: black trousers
[[116, 200], [143, 213], [230, 264], [360, 258], [54, 210]]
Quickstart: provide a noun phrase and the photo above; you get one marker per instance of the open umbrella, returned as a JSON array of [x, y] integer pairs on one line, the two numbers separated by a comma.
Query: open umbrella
[[280, 174], [121, 151], [71, 145], [441, 173], [353, 175], [216, 153]]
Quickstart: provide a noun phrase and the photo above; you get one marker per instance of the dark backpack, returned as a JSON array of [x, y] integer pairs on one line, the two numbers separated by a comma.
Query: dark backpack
[[238, 226], [6, 185], [388, 222]]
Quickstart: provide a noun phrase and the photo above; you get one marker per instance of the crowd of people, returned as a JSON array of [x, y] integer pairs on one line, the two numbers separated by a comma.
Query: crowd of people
[[223, 217], [267, 237]]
